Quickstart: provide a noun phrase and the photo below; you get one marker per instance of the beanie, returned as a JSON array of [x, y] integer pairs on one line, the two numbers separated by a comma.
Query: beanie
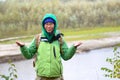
[[48, 20]]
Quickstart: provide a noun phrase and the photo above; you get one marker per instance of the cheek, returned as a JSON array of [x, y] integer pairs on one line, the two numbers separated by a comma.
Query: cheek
[[53, 27], [45, 27]]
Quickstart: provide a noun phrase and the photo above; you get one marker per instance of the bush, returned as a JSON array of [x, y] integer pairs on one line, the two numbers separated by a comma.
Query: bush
[[12, 73], [115, 62]]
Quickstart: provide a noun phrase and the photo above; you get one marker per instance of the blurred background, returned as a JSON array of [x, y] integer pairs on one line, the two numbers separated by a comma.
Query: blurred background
[[91, 21], [23, 17]]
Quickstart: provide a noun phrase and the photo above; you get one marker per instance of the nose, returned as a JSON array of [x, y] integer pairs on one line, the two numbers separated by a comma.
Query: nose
[[48, 25]]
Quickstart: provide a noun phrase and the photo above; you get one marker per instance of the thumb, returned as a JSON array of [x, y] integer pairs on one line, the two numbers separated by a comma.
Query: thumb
[[77, 44], [20, 43]]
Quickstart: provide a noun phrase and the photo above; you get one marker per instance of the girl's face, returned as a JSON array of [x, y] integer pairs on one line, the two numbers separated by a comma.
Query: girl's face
[[49, 27]]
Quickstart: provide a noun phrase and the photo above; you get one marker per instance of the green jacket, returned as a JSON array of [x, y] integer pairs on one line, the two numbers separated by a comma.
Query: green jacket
[[48, 62]]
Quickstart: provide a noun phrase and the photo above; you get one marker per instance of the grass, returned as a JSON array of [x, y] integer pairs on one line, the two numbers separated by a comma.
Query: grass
[[91, 30], [78, 34], [88, 33], [13, 41]]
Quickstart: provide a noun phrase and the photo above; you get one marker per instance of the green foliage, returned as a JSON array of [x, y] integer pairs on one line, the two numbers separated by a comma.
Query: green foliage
[[12, 73], [24, 17], [115, 62]]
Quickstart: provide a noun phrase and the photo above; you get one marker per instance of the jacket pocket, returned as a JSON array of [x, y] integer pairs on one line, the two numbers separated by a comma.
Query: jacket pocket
[[54, 52]]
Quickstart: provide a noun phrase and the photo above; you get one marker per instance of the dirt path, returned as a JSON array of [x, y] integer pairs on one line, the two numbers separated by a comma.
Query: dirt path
[[99, 43], [11, 51]]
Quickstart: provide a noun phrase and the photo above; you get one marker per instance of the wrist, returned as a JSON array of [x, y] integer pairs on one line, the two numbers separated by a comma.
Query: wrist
[[75, 46], [22, 44]]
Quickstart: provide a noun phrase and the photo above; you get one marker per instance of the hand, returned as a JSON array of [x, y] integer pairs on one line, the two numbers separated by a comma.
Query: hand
[[77, 44], [20, 43]]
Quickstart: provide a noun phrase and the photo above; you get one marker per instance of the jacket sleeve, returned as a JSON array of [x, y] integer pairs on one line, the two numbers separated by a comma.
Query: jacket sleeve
[[29, 52], [67, 53]]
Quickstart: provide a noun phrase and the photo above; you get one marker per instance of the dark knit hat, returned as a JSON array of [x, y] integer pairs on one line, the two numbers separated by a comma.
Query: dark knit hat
[[48, 20]]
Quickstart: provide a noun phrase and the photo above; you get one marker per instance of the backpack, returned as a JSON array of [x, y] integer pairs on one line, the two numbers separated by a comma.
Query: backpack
[[38, 38]]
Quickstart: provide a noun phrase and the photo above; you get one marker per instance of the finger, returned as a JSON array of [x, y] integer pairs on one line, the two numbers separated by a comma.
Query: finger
[[18, 43]]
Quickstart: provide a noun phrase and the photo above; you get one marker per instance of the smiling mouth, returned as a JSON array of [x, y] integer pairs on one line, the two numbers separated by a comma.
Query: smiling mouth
[[49, 30]]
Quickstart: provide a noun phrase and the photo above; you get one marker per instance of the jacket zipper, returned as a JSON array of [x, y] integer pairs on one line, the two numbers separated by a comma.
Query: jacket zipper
[[54, 52]]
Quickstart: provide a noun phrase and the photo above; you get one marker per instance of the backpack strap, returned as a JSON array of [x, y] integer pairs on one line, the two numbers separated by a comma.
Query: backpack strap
[[60, 42], [37, 39]]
